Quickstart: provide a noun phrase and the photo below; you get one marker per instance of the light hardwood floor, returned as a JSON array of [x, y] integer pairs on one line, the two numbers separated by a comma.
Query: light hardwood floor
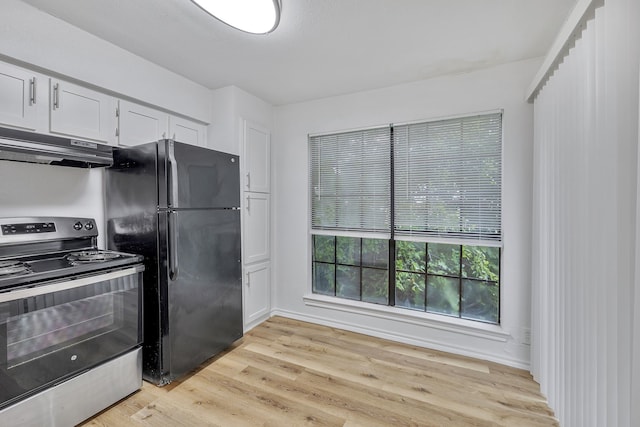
[[290, 373]]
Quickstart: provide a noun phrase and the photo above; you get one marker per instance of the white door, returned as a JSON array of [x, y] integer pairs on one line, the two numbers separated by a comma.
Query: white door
[[257, 148], [187, 131], [257, 294], [19, 97], [138, 124], [82, 113], [256, 227]]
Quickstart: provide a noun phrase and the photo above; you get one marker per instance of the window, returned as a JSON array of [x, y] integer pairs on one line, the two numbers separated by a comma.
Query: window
[[410, 215], [350, 181], [448, 178], [351, 267], [455, 280]]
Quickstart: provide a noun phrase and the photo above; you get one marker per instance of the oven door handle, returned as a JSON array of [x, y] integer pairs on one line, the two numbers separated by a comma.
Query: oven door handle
[[173, 245], [16, 294]]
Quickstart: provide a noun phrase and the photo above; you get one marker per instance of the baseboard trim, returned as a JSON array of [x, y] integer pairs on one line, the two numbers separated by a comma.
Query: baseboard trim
[[432, 321], [405, 339], [255, 322]]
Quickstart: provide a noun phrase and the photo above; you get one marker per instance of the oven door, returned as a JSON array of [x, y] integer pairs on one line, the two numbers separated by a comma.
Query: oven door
[[56, 330]]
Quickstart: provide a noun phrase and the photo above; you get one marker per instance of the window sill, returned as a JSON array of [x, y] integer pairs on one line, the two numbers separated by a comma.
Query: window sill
[[444, 323]]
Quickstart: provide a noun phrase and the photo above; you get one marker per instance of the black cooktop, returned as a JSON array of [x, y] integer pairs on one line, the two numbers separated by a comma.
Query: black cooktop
[[38, 249], [44, 267]]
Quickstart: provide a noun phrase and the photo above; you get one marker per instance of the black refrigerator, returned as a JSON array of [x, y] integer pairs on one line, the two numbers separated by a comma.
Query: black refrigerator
[[178, 205]]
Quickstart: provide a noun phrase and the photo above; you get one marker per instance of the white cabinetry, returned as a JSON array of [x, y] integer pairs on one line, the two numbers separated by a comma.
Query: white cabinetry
[[256, 224], [256, 227], [187, 131], [257, 148], [20, 96], [35, 102], [138, 124], [82, 113], [257, 292]]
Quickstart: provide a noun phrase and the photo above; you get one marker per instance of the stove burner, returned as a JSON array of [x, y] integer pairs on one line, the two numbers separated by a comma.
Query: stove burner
[[84, 257], [13, 267]]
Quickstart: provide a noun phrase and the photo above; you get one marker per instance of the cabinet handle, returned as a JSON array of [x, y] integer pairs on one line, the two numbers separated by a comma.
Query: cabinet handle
[[248, 179], [32, 91], [56, 100], [248, 278], [117, 132], [248, 199]]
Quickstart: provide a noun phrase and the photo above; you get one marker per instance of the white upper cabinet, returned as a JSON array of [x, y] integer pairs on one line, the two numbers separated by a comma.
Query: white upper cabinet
[[138, 124], [35, 102], [187, 131], [257, 147], [82, 113], [20, 95]]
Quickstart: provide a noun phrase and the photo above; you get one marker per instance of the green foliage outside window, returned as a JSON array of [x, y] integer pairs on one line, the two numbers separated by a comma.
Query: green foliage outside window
[[454, 280]]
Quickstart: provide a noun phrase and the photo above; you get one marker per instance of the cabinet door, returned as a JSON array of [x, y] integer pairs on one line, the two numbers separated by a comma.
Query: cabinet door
[[82, 113], [19, 97], [257, 147], [257, 294], [256, 227], [187, 131], [138, 124]]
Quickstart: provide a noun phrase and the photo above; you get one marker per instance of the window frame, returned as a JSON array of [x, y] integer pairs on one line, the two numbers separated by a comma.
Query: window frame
[[360, 265], [392, 239]]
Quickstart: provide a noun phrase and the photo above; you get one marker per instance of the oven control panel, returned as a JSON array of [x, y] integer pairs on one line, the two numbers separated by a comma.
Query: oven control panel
[[32, 229]]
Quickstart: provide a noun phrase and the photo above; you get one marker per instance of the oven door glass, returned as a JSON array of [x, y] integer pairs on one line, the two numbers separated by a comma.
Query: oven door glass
[[53, 331]]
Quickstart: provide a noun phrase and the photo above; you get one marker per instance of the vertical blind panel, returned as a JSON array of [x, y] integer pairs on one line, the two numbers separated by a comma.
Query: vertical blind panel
[[585, 127], [448, 178], [350, 181]]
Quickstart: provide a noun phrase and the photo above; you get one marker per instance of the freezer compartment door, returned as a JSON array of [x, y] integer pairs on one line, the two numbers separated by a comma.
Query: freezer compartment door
[[200, 178], [131, 185], [204, 286]]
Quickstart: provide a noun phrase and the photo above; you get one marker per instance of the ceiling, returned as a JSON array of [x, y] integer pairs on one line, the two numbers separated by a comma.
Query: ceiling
[[323, 47]]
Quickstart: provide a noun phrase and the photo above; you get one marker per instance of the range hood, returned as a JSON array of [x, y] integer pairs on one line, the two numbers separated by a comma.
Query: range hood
[[21, 146]]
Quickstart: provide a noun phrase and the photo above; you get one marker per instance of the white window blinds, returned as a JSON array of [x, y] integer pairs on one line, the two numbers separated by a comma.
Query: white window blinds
[[448, 178], [350, 181]]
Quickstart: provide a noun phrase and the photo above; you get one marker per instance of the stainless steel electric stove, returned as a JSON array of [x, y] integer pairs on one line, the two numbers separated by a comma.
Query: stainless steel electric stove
[[70, 321]]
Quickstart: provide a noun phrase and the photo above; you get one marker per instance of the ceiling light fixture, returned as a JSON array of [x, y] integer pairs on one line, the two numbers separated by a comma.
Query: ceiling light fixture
[[251, 16]]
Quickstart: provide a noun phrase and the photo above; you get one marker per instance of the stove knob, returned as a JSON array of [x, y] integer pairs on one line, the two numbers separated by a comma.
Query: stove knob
[[89, 226], [77, 226]]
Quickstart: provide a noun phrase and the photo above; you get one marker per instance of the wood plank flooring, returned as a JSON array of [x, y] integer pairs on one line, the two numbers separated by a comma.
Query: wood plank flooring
[[290, 373]]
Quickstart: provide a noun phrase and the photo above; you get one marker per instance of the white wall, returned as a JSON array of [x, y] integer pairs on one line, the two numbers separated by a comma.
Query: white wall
[[42, 190], [222, 134], [31, 37], [501, 87], [231, 105]]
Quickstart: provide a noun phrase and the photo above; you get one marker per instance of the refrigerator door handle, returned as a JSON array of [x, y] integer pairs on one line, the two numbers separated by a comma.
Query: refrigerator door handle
[[173, 175], [173, 245]]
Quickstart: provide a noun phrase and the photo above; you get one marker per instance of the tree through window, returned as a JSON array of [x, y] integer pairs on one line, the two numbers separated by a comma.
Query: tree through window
[[410, 215]]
